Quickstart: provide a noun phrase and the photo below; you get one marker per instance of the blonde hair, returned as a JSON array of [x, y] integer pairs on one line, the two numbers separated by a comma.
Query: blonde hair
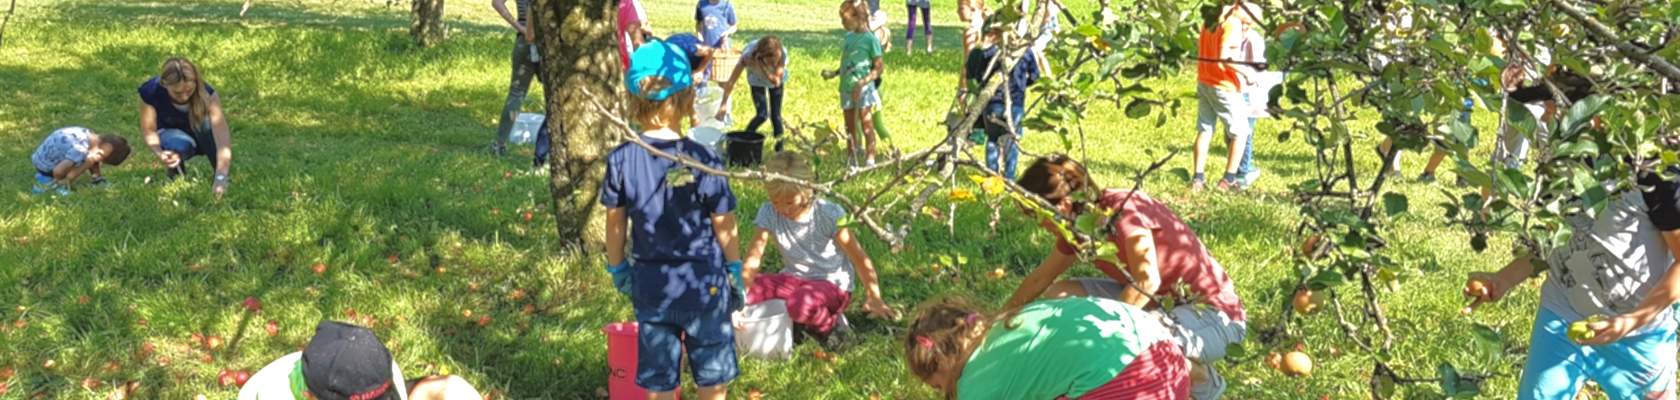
[[666, 112], [857, 12], [944, 333], [177, 70], [792, 165]]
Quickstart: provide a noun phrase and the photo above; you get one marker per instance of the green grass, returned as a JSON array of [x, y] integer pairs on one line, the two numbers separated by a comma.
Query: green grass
[[353, 146]]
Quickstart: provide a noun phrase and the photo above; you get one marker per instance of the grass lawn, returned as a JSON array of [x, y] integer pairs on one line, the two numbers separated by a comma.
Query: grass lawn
[[360, 152]]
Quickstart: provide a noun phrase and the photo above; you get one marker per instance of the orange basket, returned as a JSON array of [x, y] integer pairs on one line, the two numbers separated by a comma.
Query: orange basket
[[723, 63]]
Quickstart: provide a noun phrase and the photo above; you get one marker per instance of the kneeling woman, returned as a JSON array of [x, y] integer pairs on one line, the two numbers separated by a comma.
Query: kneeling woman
[[1071, 348], [1160, 253], [181, 117]]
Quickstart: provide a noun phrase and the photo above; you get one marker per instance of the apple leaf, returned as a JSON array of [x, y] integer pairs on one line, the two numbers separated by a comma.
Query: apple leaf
[[1449, 379], [1395, 203], [1236, 351]]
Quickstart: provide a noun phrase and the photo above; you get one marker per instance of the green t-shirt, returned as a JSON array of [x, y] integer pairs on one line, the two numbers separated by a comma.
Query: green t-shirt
[[1063, 347], [857, 59]]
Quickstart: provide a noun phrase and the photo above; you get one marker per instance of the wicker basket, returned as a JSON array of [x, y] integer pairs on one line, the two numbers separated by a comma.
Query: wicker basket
[[723, 63]]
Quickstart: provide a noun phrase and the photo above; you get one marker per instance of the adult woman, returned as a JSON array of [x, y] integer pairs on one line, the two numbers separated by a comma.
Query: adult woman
[[1079, 347], [524, 68], [181, 118], [1160, 253]]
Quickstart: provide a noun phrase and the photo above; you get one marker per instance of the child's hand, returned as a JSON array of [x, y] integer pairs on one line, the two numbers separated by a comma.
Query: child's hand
[[1484, 287], [880, 309], [735, 318]]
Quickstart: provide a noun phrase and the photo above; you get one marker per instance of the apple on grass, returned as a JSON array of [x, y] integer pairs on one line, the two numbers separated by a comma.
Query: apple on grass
[[213, 342], [252, 305], [224, 378], [273, 328]]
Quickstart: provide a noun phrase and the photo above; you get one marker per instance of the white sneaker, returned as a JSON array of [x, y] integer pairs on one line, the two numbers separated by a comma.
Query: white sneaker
[[1251, 176]]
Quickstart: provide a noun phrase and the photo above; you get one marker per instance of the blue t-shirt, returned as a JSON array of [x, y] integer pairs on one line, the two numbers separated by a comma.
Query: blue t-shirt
[[1025, 73], [169, 114], [714, 18], [675, 255], [67, 143]]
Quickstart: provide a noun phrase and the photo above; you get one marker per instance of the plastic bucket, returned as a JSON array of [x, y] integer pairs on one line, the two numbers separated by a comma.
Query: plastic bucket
[[709, 136], [767, 331], [621, 361], [525, 128], [706, 104], [746, 149]]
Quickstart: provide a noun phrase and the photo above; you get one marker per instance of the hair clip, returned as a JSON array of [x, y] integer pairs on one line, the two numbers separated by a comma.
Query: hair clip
[[972, 317], [925, 342]]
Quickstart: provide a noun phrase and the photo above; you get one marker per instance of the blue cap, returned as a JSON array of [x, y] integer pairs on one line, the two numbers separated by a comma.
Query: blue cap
[[661, 59], [689, 44]]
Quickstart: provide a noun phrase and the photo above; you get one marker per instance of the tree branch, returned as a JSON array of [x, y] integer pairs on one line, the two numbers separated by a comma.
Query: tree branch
[[7, 21], [1603, 35]]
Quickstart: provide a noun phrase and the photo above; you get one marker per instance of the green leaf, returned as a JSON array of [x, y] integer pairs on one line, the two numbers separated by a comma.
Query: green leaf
[[1110, 62], [1086, 223], [1110, 253], [1088, 31], [1449, 379], [946, 260], [1136, 71], [1479, 242], [1395, 203], [1138, 108], [1327, 278], [1236, 351], [1487, 335], [1583, 112], [1579, 148]]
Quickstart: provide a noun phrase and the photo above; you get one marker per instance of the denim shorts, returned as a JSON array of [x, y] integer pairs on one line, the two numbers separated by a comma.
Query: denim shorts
[[868, 99], [664, 334]]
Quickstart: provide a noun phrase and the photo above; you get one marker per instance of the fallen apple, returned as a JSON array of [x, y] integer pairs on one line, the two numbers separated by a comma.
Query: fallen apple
[[252, 305], [198, 338], [527, 217], [224, 378], [273, 328], [319, 268], [48, 364], [1296, 364], [91, 383], [517, 294], [495, 211], [466, 313], [207, 359], [1308, 302], [755, 395], [1275, 360], [141, 322], [163, 361], [530, 309], [239, 378], [112, 366], [484, 320], [393, 258], [83, 300], [350, 313], [213, 342], [7, 372], [506, 175], [5, 387]]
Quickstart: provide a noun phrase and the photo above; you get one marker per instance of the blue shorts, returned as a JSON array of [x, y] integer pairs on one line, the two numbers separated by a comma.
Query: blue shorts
[[1632, 368], [707, 335]]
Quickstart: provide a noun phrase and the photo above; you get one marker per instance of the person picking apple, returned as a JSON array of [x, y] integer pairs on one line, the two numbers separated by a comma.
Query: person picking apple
[[819, 255], [1160, 252], [1606, 312], [70, 151], [1068, 348], [347, 362]]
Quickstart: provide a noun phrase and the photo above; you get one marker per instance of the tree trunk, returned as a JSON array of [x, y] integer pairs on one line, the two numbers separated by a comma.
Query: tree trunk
[[579, 66], [427, 27]]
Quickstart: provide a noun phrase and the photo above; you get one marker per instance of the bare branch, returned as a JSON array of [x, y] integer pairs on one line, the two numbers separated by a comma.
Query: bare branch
[[1603, 35], [7, 21]]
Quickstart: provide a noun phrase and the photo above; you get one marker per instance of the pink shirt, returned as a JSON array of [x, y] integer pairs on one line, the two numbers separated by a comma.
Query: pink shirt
[[1179, 255], [630, 16]]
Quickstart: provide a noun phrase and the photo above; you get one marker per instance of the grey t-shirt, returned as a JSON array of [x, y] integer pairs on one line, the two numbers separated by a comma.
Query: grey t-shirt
[[807, 246], [756, 77], [1612, 262]]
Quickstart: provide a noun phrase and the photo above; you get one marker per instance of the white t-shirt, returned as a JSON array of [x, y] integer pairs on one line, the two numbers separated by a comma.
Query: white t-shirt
[[1612, 262], [273, 382], [807, 245]]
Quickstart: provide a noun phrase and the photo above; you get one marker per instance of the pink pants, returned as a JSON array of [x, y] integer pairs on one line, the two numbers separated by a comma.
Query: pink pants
[[1159, 373], [814, 303]]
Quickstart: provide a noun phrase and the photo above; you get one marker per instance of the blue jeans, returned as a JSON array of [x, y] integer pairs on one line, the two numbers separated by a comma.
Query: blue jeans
[[541, 156], [187, 145], [1011, 151], [767, 105], [1630, 368], [1247, 164], [518, 86], [708, 336]]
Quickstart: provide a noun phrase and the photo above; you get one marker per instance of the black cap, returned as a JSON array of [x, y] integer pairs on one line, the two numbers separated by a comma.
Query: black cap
[[347, 362]]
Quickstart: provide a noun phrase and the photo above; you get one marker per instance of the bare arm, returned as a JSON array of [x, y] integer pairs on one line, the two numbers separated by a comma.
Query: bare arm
[[149, 132], [1662, 297], [1140, 250], [723, 226], [1040, 279], [866, 274], [616, 221], [512, 20], [219, 130], [67, 171], [755, 257]]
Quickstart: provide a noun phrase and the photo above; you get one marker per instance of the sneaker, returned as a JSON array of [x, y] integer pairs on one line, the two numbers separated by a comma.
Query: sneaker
[[1232, 185], [1250, 177], [44, 188], [1196, 185], [1427, 177], [99, 181], [498, 148]]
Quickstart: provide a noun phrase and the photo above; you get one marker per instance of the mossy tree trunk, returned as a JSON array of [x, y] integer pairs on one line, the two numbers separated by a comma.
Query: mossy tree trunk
[[427, 22], [579, 67]]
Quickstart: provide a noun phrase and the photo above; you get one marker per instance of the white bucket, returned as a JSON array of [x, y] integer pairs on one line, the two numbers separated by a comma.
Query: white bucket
[[525, 128], [709, 136], [767, 331], [706, 104]]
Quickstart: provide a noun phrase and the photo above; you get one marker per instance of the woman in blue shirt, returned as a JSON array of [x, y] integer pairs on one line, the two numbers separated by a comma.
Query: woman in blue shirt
[[181, 118]]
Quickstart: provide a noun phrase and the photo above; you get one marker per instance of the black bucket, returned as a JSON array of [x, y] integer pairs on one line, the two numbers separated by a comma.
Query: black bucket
[[744, 149]]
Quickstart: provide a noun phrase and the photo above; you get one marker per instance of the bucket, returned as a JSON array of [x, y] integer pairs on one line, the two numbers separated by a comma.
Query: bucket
[[709, 136], [621, 360], [767, 331], [706, 104], [746, 149], [525, 128]]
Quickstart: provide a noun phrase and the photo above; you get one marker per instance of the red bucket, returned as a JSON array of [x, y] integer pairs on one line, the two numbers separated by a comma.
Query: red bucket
[[621, 359]]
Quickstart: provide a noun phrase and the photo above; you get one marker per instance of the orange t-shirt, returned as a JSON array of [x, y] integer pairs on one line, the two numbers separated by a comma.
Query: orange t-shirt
[[1212, 46]]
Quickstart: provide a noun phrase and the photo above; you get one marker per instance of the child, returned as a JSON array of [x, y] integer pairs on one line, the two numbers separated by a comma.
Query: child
[[765, 61], [714, 22], [1003, 131], [860, 66], [70, 151], [1072, 348], [682, 237], [1219, 95], [818, 255], [699, 58], [927, 25], [1618, 267], [1253, 50]]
